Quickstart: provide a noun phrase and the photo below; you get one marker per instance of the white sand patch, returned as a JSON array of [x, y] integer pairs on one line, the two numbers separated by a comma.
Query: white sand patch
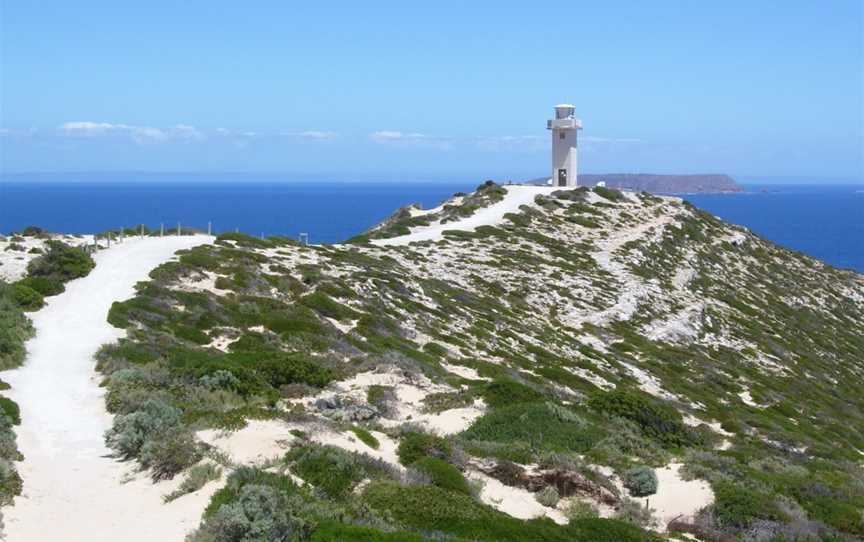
[[205, 283], [747, 399], [590, 376], [648, 383], [464, 372], [72, 490], [221, 342], [258, 442], [517, 502], [450, 421], [677, 497], [344, 328], [517, 195], [386, 450]]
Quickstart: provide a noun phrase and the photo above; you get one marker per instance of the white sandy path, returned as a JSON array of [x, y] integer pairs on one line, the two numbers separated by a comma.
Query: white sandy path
[[517, 195], [72, 491]]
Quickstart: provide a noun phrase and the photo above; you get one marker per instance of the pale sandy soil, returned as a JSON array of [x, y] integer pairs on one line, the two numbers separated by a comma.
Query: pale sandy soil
[[72, 491], [514, 501], [677, 497], [517, 195]]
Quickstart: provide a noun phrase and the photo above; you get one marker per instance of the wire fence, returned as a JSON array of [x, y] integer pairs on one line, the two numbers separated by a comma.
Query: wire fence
[[106, 238]]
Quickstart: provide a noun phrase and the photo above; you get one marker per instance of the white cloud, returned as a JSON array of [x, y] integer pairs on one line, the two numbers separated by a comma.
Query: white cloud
[[139, 134], [312, 135], [528, 143], [411, 139]]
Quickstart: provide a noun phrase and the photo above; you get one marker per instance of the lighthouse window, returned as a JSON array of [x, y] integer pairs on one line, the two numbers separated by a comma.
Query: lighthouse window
[[561, 135]]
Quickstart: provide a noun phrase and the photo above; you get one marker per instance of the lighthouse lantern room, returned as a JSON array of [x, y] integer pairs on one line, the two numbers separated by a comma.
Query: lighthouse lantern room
[[565, 127]]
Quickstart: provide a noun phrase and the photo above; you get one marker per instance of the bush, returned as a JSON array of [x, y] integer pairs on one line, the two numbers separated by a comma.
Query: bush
[[576, 510], [44, 285], [656, 419], [61, 262], [443, 474], [340, 532], [26, 297], [415, 445], [330, 469], [365, 437], [641, 481], [535, 425], [197, 477], [260, 513], [10, 409], [505, 392], [15, 329], [131, 431], [168, 453], [610, 530], [608, 193], [633, 512], [548, 496], [738, 507]]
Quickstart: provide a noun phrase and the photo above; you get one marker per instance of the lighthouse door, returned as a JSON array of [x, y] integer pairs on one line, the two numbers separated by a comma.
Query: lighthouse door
[[562, 177]]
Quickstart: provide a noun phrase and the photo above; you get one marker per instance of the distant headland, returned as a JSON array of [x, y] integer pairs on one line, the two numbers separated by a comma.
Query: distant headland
[[659, 183]]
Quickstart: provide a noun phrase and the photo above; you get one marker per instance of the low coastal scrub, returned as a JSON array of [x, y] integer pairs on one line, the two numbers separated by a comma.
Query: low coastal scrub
[[15, 328]]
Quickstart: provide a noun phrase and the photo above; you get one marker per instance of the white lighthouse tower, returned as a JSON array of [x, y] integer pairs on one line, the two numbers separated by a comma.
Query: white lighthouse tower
[[564, 128]]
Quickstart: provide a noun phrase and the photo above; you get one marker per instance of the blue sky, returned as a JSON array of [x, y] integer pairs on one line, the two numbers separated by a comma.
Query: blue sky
[[444, 90]]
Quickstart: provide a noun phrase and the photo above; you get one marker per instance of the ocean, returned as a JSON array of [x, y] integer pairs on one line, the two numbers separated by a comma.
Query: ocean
[[824, 221]]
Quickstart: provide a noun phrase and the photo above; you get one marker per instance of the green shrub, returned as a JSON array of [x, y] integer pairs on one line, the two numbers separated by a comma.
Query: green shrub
[[632, 511], [26, 297], [169, 452], [61, 262], [131, 431], [330, 469], [44, 285], [576, 510], [432, 509], [533, 424], [327, 306], [339, 532], [657, 420], [197, 477], [10, 482], [256, 373], [739, 507], [443, 474], [506, 392], [15, 329], [609, 530], [415, 445], [365, 437], [608, 193], [191, 334], [641, 481], [10, 409], [260, 513], [548, 496]]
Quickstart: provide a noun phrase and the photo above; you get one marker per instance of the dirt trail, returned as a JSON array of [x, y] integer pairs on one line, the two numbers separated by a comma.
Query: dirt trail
[[72, 490]]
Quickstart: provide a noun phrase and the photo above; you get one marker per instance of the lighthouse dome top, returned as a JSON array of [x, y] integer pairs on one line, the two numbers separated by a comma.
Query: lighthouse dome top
[[559, 106]]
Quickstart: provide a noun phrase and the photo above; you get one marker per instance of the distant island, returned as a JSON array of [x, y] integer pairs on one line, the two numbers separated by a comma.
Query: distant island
[[664, 184]]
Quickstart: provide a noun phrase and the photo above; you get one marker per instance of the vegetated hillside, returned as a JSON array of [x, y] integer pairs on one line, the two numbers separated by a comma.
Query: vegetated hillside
[[558, 363]]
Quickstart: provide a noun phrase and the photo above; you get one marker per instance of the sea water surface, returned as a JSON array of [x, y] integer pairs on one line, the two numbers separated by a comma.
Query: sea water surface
[[824, 221]]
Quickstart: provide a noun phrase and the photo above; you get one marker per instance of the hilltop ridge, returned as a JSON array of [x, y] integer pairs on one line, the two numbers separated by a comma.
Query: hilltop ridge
[[514, 354]]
